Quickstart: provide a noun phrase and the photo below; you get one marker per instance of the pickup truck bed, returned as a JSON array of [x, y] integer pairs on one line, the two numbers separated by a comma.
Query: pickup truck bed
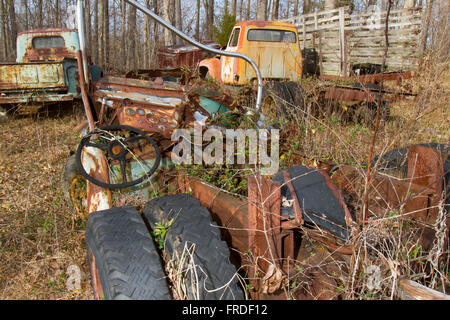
[[35, 82]]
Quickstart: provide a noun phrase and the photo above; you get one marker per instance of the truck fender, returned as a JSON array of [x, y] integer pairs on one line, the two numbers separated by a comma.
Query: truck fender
[[210, 66]]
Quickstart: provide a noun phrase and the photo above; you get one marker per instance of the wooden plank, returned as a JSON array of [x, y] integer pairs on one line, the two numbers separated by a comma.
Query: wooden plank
[[411, 290], [380, 26]]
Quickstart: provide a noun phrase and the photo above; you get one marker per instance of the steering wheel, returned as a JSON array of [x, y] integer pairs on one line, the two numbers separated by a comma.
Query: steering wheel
[[121, 145]]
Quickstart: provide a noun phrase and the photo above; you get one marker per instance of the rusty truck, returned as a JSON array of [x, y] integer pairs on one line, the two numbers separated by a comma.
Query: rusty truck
[[199, 241], [45, 71]]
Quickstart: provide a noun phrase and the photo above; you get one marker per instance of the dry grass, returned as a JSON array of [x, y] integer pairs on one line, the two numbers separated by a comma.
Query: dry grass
[[39, 239]]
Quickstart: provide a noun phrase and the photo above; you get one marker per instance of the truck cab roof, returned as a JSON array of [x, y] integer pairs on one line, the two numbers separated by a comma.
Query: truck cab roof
[[52, 44]]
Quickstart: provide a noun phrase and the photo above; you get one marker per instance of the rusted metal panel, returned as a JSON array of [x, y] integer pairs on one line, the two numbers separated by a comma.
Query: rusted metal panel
[[372, 78], [181, 56], [94, 163], [153, 106], [31, 76], [35, 98], [27, 51], [418, 194]]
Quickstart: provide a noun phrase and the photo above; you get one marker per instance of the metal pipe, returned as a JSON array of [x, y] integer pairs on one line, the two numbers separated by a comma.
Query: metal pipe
[[204, 47], [81, 40]]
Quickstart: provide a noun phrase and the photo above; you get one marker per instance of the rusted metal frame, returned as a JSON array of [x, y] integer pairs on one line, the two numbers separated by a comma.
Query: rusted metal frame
[[39, 99], [372, 78], [268, 242], [159, 92], [346, 94], [418, 194], [137, 83], [84, 95]]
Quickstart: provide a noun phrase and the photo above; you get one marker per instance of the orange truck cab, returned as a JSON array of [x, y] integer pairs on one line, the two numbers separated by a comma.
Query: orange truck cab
[[272, 45]]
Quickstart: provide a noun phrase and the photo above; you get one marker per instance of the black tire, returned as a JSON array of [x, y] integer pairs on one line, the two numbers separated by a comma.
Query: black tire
[[192, 224], [284, 99], [276, 101], [126, 258]]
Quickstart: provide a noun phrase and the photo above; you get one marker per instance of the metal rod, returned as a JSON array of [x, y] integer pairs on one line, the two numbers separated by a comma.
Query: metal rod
[[82, 41], [204, 47]]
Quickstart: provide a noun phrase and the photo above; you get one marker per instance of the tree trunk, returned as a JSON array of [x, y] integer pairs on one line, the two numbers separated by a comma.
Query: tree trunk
[[25, 11], [96, 35], [4, 33], [105, 24], [13, 29], [248, 10], [88, 25], [156, 24], [124, 34], [101, 32], [167, 17], [261, 10], [288, 8], [296, 8], [240, 10], [40, 15], [306, 6], [275, 9], [57, 17], [197, 22], [179, 22], [147, 38], [426, 25], [131, 38], [233, 7]]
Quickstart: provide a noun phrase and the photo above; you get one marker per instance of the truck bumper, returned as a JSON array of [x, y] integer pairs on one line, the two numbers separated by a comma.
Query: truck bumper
[[30, 99]]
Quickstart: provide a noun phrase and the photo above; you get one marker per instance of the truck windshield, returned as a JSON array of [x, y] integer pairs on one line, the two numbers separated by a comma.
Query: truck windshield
[[48, 42], [267, 35]]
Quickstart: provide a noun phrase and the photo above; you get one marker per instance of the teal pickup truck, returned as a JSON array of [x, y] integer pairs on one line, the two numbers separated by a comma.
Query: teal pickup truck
[[45, 70]]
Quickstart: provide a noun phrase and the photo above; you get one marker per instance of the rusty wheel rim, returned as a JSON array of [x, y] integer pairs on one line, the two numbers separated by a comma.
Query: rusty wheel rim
[[77, 195], [96, 282]]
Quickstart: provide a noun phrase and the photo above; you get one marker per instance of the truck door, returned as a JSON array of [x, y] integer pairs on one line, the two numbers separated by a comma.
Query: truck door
[[229, 65]]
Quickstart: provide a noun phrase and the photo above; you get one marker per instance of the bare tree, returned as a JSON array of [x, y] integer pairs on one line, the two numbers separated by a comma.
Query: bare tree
[[105, 24], [296, 3], [178, 21], [197, 21], [233, 7], [124, 33], [25, 10], [307, 6], [426, 25], [275, 9], [13, 27], [96, 35], [131, 48], [167, 15], [261, 10], [4, 26]]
